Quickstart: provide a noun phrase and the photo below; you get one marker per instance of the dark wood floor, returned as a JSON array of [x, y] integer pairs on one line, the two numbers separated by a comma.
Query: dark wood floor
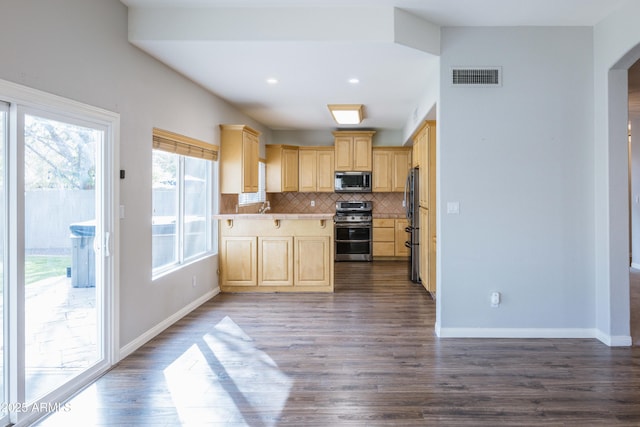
[[365, 355]]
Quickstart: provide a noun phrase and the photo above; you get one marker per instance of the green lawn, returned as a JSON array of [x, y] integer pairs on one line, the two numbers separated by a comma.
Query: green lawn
[[38, 267]]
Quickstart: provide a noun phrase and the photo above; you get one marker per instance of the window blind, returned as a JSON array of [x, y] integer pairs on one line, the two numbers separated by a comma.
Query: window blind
[[183, 145], [261, 195]]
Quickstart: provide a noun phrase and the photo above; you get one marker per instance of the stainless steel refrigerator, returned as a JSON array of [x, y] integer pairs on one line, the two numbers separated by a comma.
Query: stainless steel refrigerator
[[412, 206]]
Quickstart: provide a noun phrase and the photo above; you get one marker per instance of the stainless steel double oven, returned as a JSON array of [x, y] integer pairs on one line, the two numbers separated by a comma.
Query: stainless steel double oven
[[353, 231]]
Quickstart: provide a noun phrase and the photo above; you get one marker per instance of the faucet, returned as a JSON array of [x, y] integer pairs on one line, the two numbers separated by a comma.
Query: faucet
[[265, 207]]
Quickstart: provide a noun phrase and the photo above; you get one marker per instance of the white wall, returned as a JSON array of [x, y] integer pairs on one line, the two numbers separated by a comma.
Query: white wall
[[79, 49], [426, 107], [616, 48], [519, 160]]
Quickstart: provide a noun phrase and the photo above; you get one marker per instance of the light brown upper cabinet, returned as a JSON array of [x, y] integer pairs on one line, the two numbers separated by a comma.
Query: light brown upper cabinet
[[239, 152], [316, 167], [418, 142], [390, 168], [425, 138], [353, 150], [282, 168]]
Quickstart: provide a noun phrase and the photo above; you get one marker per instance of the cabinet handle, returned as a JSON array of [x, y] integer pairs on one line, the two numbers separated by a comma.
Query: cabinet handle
[[323, 223], [276, 223], [229, 223]]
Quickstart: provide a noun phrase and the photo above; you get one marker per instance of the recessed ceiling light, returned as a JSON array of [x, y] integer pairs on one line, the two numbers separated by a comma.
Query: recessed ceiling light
[[346, 114], [272, 81], [354, 81]]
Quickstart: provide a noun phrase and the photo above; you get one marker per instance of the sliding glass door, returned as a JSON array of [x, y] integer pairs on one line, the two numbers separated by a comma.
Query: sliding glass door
[[57, 267], [4, 138], [62, 280]]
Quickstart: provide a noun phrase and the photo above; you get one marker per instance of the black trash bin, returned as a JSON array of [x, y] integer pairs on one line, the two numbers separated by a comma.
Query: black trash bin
[[83, 256]]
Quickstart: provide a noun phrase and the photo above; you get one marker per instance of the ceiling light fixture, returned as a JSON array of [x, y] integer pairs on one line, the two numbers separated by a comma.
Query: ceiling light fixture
[[272, 81], [346, 114], [354, 81]]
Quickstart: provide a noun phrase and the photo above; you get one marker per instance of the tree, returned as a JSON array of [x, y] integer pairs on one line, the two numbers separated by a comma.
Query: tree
[[59, 155]]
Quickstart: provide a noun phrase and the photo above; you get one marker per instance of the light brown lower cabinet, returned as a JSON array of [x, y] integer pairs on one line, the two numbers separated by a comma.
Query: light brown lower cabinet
[[427, 252], [288, 255], [389, 236], [240, 258], [274, 262], [312, 259]]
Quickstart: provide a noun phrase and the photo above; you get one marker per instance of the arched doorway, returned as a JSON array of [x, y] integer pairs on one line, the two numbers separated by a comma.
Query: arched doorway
[[613, 305], [634, 199]]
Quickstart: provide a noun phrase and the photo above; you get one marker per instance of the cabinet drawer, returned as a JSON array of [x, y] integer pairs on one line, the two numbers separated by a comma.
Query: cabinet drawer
[[383, 234], [383, 248], [383, 222]]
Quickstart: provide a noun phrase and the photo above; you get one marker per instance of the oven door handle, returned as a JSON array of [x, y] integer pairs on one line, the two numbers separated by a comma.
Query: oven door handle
[[353, 225]]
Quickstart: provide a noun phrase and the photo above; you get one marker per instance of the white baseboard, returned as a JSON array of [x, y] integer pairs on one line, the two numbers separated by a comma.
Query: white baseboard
[[635, 265], [614, 340], [157, 329], [516, 333], [611, 341]]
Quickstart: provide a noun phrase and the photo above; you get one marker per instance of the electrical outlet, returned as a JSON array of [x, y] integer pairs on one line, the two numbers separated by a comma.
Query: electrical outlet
[[495, 299], [313, 203], [194, 282]]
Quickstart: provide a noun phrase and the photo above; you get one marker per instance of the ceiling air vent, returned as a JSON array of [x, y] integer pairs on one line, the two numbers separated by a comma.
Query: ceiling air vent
[[476, 76]]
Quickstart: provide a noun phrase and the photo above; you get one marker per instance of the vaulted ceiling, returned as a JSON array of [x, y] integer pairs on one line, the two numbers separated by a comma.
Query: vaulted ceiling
[[313, 48]]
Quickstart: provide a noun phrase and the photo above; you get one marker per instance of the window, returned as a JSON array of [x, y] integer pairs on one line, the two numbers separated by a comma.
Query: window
[[261, 195], [182, 200]]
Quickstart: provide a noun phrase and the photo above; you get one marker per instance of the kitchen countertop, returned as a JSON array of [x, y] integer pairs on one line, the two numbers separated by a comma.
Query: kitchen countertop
[[389, 216], [274, 216]]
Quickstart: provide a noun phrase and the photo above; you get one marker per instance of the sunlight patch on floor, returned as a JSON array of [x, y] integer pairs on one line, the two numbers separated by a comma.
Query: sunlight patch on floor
[[226, 371]]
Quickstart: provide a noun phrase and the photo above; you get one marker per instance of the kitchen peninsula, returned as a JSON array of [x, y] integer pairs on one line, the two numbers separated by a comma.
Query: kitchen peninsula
[[276, 252]]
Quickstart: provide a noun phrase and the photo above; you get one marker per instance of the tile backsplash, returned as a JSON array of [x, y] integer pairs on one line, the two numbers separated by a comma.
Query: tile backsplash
[[383, 203]]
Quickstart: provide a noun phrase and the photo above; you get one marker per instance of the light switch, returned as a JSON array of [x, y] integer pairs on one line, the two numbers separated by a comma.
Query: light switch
[[121, 211], [453, 208]]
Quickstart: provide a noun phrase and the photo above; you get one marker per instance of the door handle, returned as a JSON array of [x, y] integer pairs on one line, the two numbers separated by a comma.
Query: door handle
[[107, 242]]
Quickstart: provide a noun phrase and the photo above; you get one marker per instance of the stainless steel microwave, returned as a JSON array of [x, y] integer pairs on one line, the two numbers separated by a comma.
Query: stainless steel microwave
[[353, 182]]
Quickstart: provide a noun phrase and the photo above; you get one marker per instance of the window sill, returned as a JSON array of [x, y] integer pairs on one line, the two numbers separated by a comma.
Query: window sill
[[160, 273]]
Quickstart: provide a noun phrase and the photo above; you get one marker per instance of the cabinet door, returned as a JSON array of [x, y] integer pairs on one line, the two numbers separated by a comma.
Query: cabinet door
[[424, 249], [362, 153], [250, 150], [238, 261], [343, 153], [313, 261], [401, 236], [325, 174], [308, 172], [432, 252], [275, 261], [426, 163], [382, 170], [290, 169], [432, 207], [401, 166], [419, 147]]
